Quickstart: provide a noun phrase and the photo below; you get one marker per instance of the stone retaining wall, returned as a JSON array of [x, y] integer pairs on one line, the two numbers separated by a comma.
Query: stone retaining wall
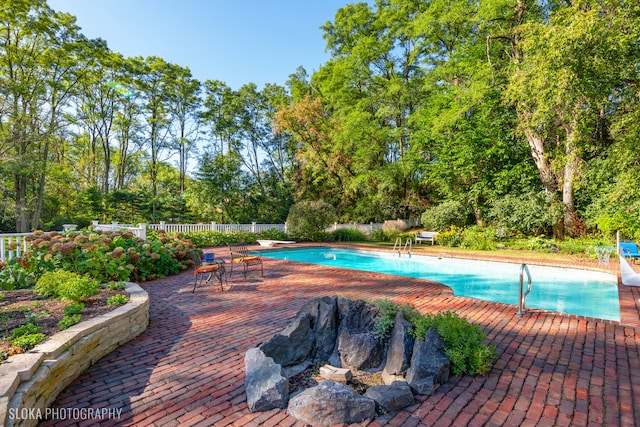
[[30, 382]]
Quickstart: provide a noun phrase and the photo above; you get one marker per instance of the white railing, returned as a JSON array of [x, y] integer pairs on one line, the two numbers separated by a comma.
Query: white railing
[[12, 245], [139, 231], [213, 226]]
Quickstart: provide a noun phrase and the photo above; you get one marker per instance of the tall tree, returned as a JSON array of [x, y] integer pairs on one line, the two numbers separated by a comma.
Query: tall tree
[[42, 58]]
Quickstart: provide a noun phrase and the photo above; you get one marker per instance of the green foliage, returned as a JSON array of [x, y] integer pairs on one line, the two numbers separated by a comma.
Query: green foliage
[[116, 286], [26, 342], [387, 310], [117, 300], [113, 256], [69, 320], [445, 215], [218, 238], [379, 235], [531, 213], [464, 341], [74, 308], [347, 235], [309, 219], [66, 285], [28, 329]]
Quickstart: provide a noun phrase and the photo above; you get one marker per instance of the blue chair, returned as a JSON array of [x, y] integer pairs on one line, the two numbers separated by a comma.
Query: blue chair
[[629, 250]]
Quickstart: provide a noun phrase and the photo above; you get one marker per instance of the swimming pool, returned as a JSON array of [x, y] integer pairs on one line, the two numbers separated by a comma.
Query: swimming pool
[[564, 290]]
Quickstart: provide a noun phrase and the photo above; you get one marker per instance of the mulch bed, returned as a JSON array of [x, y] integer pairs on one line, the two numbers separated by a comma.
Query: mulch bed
[[310, 377], [23, 306]]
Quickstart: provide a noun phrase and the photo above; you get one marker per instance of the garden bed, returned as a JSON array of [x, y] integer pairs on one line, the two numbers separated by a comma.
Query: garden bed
[[23, 306]]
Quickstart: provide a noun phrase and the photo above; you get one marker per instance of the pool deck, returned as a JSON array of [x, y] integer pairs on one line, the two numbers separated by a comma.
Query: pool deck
[[188, 368]]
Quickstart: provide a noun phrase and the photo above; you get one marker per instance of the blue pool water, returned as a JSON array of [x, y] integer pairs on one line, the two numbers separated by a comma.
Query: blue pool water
[[565, 290]]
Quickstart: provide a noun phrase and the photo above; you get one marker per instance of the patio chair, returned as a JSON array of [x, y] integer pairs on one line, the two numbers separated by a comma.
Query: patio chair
[[241, 255], [215, 268], [630, 250]]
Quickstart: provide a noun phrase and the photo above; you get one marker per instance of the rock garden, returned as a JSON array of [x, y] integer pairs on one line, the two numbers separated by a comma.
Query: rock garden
[[345, 361]]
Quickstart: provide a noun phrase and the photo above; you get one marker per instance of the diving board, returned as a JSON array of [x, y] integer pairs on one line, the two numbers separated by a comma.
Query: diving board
[[269, 243]]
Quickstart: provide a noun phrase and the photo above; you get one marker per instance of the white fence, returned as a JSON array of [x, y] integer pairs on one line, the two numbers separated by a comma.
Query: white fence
[[12, 245], [213, 226]]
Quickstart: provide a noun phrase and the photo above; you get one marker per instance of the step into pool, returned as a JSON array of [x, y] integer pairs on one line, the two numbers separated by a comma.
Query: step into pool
[[564, 290]]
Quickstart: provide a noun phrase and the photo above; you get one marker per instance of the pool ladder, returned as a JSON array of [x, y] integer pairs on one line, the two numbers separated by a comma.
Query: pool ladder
[[522, 297], [398, 246]]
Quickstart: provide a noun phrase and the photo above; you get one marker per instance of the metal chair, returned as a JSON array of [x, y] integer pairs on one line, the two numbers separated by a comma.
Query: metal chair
[[216, 268], [241, 255]]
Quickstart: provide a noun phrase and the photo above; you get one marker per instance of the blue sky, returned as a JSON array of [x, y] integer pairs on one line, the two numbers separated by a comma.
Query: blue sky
[[235, 41]]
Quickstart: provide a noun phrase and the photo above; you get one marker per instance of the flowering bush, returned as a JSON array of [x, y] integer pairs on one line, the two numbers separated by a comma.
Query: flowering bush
[[109, 256]]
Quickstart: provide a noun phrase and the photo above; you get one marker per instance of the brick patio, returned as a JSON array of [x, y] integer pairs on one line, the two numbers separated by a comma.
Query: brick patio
[[187, 368]]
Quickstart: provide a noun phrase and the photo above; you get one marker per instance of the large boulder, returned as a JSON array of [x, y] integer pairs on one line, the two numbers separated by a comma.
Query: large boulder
[[324, 322], [429, 364], [359, 345], [400, 347], [331, 403], [264, 383], [294, 344], [392, 397]]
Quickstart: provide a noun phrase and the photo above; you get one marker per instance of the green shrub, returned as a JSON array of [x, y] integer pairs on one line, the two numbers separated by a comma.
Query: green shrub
[[72, 309], [453, 237], [110, 256], [116, 286], [463, 340], [379, 235], [66, 285], [482, 239], [28, 329], [347, 235], [69, 320], [117, 300], [445, 215], [309, 219], [26, 342], [532, 213]]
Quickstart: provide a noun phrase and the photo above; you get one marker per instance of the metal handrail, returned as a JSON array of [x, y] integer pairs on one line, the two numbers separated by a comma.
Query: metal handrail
[[522, 297], [397, 244], [407, 243]]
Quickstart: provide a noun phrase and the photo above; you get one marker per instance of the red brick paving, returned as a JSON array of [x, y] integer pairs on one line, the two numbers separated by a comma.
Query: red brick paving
[[187, 369]]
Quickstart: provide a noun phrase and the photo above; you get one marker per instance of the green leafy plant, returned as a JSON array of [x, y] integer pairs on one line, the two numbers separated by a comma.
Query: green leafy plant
[[309, 219], [72, 309], [445, 215], [27, 329], [69, 320], [464, 341], [116, 300], [379, 235], [116, 286], [26, 342], [66, 285], [347, 235]]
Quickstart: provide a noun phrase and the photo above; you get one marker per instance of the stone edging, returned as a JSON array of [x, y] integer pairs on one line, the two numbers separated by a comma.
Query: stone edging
[[30, 382]]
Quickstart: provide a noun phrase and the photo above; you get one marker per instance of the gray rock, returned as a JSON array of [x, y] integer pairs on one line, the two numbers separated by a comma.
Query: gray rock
[[324, 322], [428, 360], [264, 383], [331, 403], [294, 344], [359, 345], [400, 347], [425, 386], [392, 397]]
